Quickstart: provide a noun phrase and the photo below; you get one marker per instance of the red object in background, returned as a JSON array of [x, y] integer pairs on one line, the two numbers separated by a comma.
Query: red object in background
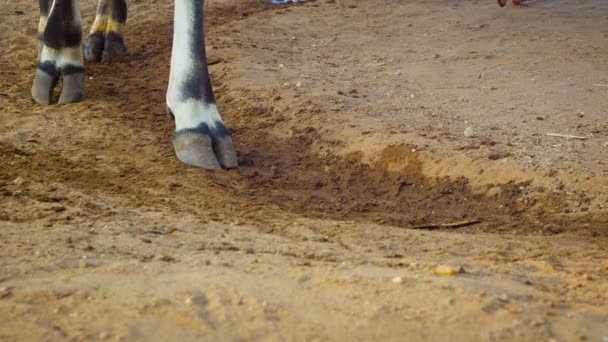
[[502, 3]]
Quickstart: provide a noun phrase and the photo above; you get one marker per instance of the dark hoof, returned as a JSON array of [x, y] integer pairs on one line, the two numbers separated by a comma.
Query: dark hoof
[[94, 47], [114, 48], [225, 152], [195, 149], [105, 49]]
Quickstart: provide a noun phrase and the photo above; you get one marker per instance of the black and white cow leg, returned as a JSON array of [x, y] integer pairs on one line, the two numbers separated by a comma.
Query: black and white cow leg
[[105, 42], [60, 55], [45, 6], [201, 139]]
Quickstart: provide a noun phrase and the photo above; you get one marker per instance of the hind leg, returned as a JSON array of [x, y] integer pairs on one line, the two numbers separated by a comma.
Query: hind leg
[[105, 42], [59, 52]]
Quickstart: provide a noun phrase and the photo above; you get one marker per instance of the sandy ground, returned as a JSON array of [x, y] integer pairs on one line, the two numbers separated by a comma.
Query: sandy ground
[[349, 119]]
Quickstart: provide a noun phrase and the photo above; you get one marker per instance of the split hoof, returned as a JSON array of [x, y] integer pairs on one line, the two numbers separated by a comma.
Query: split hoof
[[201, 148], [73, 88], [46, 78], [94, 47], [42, 88], [195, 149], [225, 152], [105, 49]]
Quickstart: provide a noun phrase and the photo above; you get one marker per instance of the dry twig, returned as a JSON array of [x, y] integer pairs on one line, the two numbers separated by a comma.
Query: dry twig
[[567, 136]]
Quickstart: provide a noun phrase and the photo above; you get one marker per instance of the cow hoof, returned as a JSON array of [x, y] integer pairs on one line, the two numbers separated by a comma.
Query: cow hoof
[[73, 88], [201, 150], [105, 49], [42, 88], [225, 152], [46, 78], [195, 149], [94, 47]]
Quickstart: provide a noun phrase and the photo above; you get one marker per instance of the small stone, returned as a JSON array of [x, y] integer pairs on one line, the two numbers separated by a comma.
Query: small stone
[[444, 270], [281, 65], [468, 132], [5, 292], [537, 322], [167, 258], [498, 154], [299, 84], [397, 280], [18, 181]]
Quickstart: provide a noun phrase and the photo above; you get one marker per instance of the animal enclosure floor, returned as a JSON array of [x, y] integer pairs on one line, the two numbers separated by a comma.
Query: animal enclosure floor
[[377, 140]]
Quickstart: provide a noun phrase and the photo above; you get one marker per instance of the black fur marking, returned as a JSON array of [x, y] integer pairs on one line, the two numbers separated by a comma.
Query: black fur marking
[[70, 69], [61, 30], [44, 7], [219, 131], [119, 11], [198, 86], [48, 68]]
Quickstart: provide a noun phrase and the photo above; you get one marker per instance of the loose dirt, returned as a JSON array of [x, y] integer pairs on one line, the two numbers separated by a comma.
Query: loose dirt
[[364, 129]]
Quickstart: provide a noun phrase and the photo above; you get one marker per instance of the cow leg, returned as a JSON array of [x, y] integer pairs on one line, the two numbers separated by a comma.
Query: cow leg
[[200, 137], [60, 55], [45, 6], [105, 42]]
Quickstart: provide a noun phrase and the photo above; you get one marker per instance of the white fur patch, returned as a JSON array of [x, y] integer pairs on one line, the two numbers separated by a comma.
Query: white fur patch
[[191, 113], [181, 55], [61, 57]]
